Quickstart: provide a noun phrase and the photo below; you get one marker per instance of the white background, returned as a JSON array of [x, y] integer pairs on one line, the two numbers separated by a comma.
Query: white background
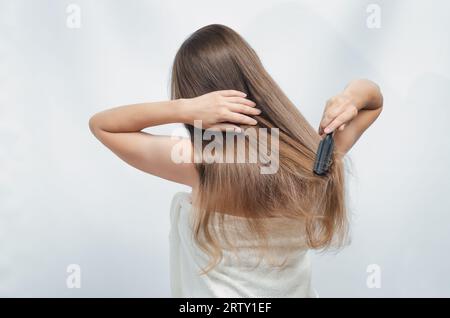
[[64, 199]]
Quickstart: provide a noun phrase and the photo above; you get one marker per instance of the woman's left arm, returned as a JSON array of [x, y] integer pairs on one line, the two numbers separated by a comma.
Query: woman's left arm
[[351, 112]]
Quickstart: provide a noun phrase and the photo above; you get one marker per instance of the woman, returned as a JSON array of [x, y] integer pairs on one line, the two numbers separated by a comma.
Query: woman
[[241, 232]]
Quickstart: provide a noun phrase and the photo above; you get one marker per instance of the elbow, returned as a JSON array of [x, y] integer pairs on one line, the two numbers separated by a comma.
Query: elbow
[[94, 125], [380, 98], [377, 95]]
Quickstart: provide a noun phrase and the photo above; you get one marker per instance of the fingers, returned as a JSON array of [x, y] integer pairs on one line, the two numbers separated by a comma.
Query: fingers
[[232, 93], [339, 121], [338, 111], [231, 107], [329, 115], [241, 100], [239, 119], [225, 127], [239, 108]]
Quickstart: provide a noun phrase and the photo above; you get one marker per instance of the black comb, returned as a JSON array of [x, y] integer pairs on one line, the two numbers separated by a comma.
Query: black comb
[[323, 156]]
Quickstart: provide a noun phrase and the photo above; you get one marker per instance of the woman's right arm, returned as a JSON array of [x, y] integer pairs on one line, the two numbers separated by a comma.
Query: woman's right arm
[[120, 129]]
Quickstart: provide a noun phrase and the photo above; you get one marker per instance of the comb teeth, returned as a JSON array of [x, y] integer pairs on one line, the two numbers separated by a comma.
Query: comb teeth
[[323, 156]]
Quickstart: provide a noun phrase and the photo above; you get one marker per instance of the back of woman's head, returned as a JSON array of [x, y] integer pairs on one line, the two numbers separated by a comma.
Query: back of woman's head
[[217, 58]]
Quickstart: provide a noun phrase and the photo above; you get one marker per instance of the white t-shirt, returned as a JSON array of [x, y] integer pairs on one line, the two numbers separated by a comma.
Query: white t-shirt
[[242, 276]]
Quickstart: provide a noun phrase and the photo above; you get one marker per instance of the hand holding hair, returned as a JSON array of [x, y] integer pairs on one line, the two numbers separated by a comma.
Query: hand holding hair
[[341, 109], [220, 110]]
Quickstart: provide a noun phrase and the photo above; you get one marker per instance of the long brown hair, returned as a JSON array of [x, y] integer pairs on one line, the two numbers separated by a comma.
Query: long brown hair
[[217, 58]]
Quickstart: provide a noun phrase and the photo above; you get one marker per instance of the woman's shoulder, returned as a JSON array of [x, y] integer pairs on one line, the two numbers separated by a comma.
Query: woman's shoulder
[[181, 199]]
